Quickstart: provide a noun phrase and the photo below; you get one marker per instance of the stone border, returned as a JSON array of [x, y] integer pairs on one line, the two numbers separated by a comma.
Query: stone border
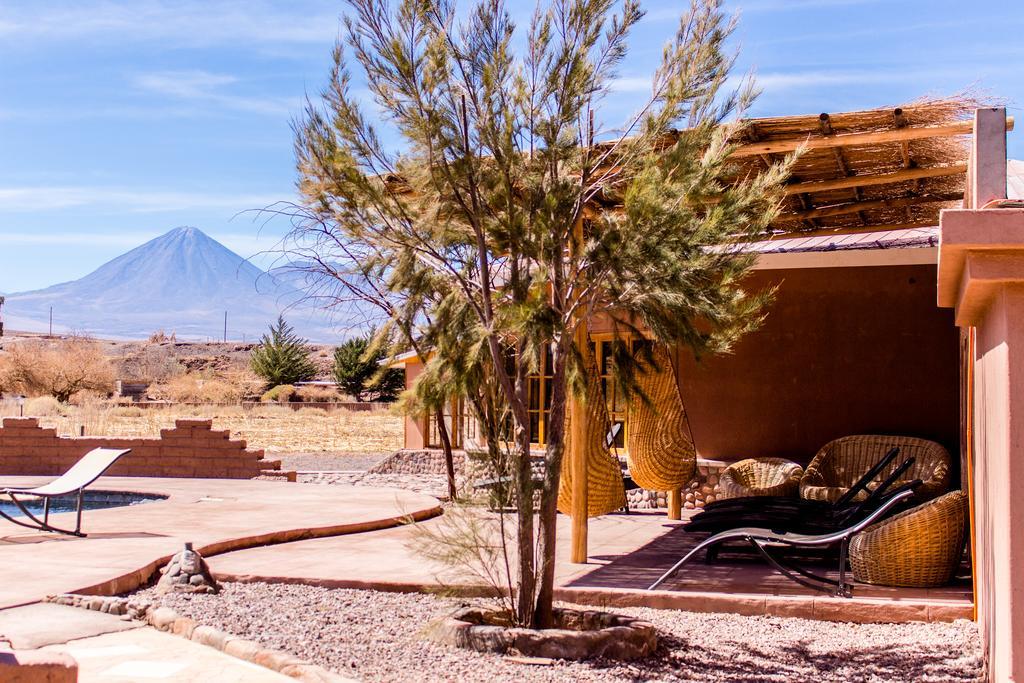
[[583, 634], [167, 620]]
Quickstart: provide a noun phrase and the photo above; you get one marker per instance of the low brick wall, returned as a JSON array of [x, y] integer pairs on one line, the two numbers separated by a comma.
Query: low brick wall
[[35, 666], [191, 449]]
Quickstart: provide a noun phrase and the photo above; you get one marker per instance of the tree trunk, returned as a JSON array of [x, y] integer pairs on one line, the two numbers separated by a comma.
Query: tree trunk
[[543, 616], [527, 580], [449, 458]]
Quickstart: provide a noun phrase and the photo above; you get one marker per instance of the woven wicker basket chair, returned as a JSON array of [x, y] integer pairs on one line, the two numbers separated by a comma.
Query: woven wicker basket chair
[[760, 477], [841, 462], [919, 548], [605, 489], [660, 452]]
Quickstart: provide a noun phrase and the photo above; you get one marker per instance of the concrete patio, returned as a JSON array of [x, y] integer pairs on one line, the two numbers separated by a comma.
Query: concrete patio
[[126, 545]]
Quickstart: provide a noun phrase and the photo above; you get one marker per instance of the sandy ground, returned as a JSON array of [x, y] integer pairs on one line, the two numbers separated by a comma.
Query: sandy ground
[[376, 637]]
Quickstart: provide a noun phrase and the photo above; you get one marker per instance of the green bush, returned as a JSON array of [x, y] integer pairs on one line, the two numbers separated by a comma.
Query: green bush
[[362, 377], [282, 357]]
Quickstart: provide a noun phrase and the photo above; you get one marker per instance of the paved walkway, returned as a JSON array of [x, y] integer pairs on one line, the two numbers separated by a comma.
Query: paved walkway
[[108, 648], [627, 553], [145, 654], [126, 544]]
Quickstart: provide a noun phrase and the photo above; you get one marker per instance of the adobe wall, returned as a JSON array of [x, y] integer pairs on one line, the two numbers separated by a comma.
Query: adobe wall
[[191, 449], [854, 350], [847, 350]]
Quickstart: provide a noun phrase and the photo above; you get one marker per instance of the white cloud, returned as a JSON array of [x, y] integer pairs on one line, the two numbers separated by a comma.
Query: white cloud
[[35, 198], [758, 7], [632, 84], [209, 88], [187, 23]]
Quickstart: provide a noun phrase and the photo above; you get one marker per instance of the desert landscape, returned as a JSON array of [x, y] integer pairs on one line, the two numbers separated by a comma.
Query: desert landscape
[[199, 380]]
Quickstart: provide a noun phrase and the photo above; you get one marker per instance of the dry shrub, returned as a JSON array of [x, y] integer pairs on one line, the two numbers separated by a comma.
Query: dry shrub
[[43, 406], [127, 411], [199, 389], [151, 364], [318, 394], [58, 368], [282, 393], [309, 412], [159, 337], [247, 383]]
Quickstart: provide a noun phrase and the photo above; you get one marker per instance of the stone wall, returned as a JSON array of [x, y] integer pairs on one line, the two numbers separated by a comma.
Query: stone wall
[[702, 490], [191, 449], [424, 461]]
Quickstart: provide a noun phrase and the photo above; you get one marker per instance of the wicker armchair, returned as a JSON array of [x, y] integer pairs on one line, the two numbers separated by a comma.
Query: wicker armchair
[[842, 462], [919, 548], [760, 477]]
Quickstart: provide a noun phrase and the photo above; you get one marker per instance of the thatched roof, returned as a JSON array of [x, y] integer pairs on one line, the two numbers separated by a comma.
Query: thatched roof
[[863, 171], [878, 169]]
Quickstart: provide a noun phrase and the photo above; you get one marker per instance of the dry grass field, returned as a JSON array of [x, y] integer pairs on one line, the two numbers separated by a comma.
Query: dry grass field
[[273, 428]]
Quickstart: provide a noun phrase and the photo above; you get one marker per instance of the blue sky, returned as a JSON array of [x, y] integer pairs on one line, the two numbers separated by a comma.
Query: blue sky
[[120, 120]]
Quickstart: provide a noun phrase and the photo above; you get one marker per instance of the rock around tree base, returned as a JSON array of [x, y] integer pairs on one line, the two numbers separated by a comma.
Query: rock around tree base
[[187, 572], [577, 635]]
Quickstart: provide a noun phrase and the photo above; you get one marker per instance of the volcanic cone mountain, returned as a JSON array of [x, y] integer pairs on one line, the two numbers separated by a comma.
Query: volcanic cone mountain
[[182, 281]]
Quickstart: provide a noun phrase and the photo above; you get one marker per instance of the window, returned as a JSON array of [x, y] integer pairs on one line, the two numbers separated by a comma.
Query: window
[[539, 400], [616, 403], [452, 424]]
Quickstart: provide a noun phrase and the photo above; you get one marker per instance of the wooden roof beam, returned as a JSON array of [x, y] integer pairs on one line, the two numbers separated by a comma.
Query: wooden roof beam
[[875, 204], [870, 180], [899, 119], [825, 124], [851, 139]]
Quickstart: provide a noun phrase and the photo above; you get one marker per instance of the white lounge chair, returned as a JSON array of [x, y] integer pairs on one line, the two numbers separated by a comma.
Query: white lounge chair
[[88, 469], [760, 538]]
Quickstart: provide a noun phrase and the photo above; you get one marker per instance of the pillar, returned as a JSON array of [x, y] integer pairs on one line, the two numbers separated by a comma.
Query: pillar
[[981, 276]]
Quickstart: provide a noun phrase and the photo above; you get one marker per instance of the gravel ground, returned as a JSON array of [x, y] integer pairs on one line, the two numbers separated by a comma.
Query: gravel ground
[[322, 462], [374, 636], [431, 484]]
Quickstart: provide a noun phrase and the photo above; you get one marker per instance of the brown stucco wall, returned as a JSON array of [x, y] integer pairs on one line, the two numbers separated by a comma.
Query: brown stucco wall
[[414, 425], [842, 351], [191, 449]]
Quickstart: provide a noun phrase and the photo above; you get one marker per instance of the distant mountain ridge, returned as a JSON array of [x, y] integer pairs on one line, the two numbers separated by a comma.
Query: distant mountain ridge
[[181, 281]]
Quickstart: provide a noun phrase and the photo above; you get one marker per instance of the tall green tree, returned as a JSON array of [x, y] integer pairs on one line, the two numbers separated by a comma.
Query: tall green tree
[[359, 372], [511, 215], [282, 356]]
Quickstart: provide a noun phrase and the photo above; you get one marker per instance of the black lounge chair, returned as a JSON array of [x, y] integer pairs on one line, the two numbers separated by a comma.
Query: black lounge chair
[[799, 515], [88, 469], [761, 539]]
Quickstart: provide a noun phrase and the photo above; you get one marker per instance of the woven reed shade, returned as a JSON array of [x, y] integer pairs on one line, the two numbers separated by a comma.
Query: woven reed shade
[[760, 477], [660, 451], [840, 463], [920, 548], [605, 491]]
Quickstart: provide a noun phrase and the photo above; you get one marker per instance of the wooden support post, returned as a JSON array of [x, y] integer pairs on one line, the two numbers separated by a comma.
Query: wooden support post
[[578, 426], [675, 504]]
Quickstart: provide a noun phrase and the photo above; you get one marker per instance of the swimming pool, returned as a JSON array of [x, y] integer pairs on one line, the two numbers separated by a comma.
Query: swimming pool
[[92, 500]]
